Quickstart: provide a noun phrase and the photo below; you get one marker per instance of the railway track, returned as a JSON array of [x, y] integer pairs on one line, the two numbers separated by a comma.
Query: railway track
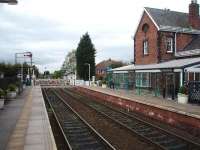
[[78, 134], [154, 134]]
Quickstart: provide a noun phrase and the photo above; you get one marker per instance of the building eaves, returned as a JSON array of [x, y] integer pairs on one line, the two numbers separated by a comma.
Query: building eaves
[[170, 21], [172, 64]]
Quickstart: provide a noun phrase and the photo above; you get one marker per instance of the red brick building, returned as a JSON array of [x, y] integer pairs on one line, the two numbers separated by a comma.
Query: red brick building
[[104, 66], [166, 46], [166, 50]]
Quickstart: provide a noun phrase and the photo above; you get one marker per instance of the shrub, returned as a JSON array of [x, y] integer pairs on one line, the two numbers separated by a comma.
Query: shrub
[[183, 90], [104, 82], [2, 93], [18, 83], [11, 87]]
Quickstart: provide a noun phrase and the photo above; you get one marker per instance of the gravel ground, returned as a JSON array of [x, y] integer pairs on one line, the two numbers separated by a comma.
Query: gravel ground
[[182, 133], [119, 137]]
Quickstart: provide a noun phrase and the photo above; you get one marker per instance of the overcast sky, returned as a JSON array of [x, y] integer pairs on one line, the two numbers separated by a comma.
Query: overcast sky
[[51, 28]]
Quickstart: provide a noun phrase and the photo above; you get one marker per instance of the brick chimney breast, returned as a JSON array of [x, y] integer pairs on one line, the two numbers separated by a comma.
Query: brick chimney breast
[[194, 19]]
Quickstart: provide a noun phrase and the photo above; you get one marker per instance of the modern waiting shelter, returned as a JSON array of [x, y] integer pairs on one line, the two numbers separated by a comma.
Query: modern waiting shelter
[[123, 77], [162, 79]]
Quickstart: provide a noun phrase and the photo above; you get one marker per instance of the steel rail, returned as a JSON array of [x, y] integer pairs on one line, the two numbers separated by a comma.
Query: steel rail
[[100, 137], [168, 133], [57, 120]]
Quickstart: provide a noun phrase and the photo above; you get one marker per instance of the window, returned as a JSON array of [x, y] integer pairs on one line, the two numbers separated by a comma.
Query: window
[[169, 44], [145, 28], [143, 79], [145, 47]]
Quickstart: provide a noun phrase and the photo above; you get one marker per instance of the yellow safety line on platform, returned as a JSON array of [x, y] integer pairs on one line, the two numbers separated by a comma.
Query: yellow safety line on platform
[[17, 139]]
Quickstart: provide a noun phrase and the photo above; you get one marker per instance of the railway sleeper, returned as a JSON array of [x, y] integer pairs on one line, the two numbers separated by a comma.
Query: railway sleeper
[[153, 134], [90, 145], [83, 140], [178, 147], [144, 130], [81, 131]]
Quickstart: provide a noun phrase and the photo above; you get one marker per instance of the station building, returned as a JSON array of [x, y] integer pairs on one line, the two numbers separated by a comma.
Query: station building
[[166, 51]]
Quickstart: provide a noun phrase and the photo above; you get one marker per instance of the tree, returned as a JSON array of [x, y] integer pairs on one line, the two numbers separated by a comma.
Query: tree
[[36, 71], [46, 74], [57, 74], [69, 65], [85, 53]]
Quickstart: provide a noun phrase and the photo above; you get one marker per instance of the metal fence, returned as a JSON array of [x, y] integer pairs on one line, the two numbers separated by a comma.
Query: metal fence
[[194, 92]]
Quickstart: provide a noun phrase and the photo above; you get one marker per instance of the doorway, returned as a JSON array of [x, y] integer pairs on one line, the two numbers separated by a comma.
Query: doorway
[[170, 86]]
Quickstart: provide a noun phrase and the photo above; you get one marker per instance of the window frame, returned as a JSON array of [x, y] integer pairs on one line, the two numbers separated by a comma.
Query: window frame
[[146, 47], [142, 83], [171, 50]]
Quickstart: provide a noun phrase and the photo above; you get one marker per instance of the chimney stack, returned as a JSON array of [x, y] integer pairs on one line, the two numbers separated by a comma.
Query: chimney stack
[[194, 19]]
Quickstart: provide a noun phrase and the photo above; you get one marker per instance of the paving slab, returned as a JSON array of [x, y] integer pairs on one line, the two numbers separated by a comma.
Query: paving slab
[[9, 116], [39, 134], [32, 130]]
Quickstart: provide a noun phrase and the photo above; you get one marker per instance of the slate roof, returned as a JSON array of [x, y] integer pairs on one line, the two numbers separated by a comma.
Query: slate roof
[[192, 49], [168, 20], [166, 17], [194, 44]]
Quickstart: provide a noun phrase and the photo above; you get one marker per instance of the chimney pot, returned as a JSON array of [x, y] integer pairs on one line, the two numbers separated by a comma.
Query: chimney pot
[[194, 19], [194, 1]]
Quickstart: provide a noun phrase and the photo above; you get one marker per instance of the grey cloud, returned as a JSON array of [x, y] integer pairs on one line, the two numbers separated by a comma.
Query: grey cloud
[[20, 33], [20, 28], [124, 53], [50, 41]]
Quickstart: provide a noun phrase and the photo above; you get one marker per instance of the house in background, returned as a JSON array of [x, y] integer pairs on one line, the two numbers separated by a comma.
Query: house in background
[[106, 65], [166, 50]]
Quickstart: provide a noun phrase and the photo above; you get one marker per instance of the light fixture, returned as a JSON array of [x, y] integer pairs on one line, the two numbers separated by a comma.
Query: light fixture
[[10, 2]]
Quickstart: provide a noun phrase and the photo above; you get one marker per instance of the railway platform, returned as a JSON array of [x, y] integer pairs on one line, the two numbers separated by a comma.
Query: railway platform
[[24, 123], [192, 110], [184, 116]]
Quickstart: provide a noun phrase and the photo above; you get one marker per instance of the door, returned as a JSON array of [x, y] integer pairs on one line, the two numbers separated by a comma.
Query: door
[[169, 85]]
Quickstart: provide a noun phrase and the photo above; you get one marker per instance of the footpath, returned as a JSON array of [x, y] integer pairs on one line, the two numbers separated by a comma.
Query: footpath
[[24, 123]]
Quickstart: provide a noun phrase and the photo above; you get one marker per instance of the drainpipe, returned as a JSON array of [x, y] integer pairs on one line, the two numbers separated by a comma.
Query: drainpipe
[[181, 77], [175, 44]]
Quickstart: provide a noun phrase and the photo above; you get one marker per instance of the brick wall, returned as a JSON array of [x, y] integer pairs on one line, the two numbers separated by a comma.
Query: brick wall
[[194, 15], [164, 55], [151, 36], [183, 40], [181, 121], [157, 43]]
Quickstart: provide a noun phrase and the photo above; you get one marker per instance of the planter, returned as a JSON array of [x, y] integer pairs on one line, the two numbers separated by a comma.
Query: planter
[[17, 90], [104, 85], [93, 84], [1, 103], [182, 98], [12, 95]]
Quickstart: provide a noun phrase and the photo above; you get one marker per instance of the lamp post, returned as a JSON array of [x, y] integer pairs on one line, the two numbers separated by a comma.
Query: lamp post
[[88, 71], [10, 2]]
